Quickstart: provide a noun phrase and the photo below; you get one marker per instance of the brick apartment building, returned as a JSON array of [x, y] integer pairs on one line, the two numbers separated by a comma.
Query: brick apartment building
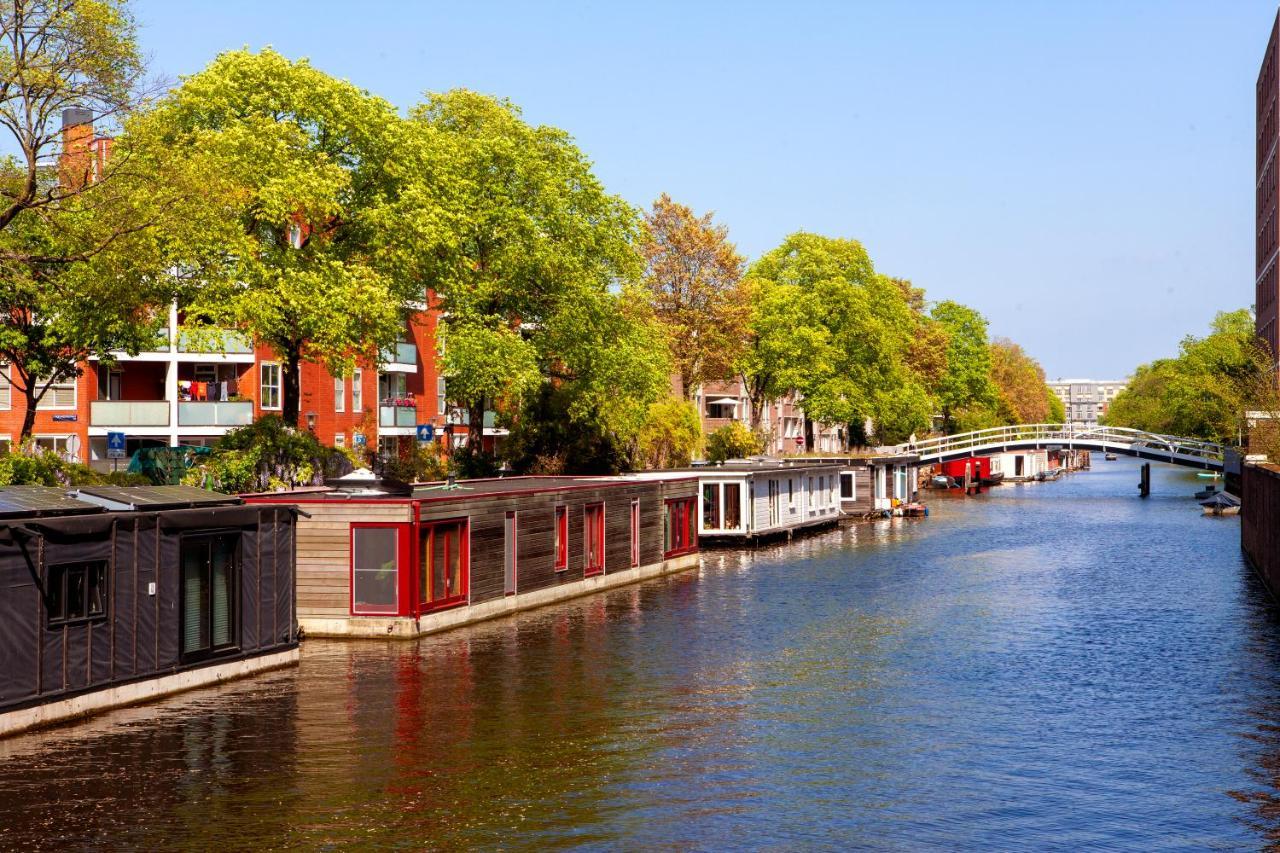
[[184, 392], [723, 402], [1266, 283]]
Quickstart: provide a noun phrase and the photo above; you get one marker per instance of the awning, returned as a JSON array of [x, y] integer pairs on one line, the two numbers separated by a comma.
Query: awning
[[723, 401]]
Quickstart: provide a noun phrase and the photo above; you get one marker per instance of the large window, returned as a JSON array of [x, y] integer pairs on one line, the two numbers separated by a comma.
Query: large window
[[6, 388], [375, 569], [76, 592], [66, 446], [444, 567], [562, 538], [722, 506], [593, 539], [270, 395], [357, 391], [679, 527], [339, 394], [210, 579], [60, 395], [510, 542]]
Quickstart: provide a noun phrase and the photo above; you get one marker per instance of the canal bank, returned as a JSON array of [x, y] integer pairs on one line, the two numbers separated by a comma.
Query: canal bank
[[1043, 665]]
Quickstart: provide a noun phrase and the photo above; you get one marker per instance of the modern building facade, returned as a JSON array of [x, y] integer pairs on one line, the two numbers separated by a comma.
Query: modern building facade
[[1266, 284], [1086, 400]]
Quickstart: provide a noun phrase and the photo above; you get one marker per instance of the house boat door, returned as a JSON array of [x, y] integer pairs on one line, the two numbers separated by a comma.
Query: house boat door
[[444, 565]]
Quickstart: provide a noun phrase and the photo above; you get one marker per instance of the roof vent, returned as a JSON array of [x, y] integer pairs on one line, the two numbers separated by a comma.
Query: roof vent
[[363, 483]]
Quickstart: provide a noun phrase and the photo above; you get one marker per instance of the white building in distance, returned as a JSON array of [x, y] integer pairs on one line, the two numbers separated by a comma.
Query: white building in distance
[[1087, 400]]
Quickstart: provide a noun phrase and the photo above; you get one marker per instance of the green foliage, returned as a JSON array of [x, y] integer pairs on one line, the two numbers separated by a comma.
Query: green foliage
[[267, 456], [35, 467], [547, 440], [1205, 390], [424, 464], [966, 387], [671, 435], [732, 441]]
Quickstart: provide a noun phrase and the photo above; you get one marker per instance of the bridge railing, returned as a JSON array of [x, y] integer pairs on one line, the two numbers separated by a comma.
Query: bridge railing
[[1121, 437]]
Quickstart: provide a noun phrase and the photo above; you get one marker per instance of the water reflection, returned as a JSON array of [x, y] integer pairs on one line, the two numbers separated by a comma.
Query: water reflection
[[1056, 664]]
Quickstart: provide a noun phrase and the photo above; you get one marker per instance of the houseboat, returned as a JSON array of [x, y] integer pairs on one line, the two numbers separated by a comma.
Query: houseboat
[[381, 559], [877, 483], [114, 596]]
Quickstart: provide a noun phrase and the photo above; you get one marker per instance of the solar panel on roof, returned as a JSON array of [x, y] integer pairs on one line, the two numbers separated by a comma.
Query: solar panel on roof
[[27, 501], [153, 497]]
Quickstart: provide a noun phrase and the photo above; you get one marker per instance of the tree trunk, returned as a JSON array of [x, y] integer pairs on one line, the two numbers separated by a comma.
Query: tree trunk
[[290, 387], [28, 416], [475, 427]]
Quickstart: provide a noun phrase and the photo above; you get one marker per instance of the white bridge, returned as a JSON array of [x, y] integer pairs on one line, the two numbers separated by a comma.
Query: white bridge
[[1131, 442]]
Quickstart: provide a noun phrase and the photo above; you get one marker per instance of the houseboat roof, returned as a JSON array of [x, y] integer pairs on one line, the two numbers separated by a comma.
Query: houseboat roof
[[464, 489], [747, 466], [130, 498], [32, 501]]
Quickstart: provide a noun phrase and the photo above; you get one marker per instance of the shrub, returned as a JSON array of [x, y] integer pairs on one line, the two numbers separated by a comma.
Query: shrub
[[423, 465], [671, 435], [265, 456], [732, 441], [32, 466]]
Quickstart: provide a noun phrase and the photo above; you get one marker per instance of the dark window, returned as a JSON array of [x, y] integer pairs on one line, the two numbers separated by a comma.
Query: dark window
[[510, 542], [635, 533], [846, 485], [562, 538], [76, 592], [210, 580]]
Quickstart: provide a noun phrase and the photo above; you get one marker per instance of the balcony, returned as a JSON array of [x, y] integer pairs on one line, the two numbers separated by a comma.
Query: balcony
[[128, 413], [220, 414], [401, 358], [215, 341], [397, 415]]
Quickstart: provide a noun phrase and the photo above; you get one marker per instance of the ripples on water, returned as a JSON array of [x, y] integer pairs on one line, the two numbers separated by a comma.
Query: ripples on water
[[1048, 665]]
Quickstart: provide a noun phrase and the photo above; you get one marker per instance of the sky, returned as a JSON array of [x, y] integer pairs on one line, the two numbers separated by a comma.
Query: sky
[[1081, 173]]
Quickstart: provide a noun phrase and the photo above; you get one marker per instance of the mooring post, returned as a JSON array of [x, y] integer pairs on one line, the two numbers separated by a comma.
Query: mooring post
[[1144, 483]]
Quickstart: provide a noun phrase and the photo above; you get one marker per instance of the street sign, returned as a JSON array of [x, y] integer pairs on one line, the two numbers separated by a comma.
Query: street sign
[[426, 432], [115, 445], [360, 440]]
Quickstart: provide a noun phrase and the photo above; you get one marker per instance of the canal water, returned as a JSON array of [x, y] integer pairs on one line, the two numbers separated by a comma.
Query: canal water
[[1053, 665]]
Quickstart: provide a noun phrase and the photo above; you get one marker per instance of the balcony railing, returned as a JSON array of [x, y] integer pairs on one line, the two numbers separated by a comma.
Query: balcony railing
[[128, 413], [220, 414], [402, 353], [227, 341], [397, 416]]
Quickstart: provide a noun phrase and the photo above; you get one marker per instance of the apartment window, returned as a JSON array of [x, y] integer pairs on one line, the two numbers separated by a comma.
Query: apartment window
[[109, 383], [679, 527], [562, 538], [295, 235], [58, 395], [270, 396], [340, 440], [635, 533], [375, 568], [6, 388], [339, 394], [66, 446], [510, 542], [593, 539], [444, 571], [441, 399], [357, 391], [76, 592], [210, 579]]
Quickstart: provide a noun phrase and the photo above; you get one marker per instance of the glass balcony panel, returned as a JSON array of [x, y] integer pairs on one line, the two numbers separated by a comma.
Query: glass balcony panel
[[128, 413], [200, 413]]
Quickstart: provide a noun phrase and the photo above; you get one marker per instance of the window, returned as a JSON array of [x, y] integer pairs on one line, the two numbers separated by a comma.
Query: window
[[593, 539], [270, 396], [210, 580], [340, 440], [791, 494], [66, 446], [635, 533], [295, 235], [679, 527], [809, 502], [6, 388], [722, 506], [339, 394], [710, 506], [441, 399], [509, 544], [775, 490], [562, 538], [444, 570], [375, 569], [848, 489], [357, 392], [76, 592], [59, 395], [109, 382]]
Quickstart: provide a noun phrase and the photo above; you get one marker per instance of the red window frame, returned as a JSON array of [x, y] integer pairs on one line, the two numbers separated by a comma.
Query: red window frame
[[561, 542], [403, 596], [682, 523], [514, 527], [592, 525], [635, 532], [427, 531]]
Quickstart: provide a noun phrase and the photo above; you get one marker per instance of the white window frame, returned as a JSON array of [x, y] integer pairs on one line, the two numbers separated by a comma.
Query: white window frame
[[442, 403], [744, 505], [339, 394], [6, 389], [46, 403], [263, 386], [357, 391], [853, 486], [60, 438], [340, 439]]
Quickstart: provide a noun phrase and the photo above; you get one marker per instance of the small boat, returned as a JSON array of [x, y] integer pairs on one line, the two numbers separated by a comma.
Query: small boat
[[914, 510], [942, 481], [1206, 492], [1207, 475], [992, 479], [1221, 503], [1110, 457]]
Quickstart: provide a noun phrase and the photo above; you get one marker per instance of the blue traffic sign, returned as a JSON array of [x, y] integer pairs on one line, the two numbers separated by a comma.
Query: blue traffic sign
[[115, 445], [426, 432]]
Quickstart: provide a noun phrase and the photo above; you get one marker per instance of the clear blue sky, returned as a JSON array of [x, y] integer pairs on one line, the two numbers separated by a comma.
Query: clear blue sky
[[1082, 173]]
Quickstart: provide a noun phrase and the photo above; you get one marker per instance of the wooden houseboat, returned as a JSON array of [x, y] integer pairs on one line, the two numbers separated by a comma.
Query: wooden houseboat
[[875, 484], [114, 596], [380, 559]]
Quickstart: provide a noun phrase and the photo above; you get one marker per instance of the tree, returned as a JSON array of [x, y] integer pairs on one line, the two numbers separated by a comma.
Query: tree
[[732, 441], [966, 386], [299, 182], [1023, 396], [671, 435], [534, 266], [693, 275]]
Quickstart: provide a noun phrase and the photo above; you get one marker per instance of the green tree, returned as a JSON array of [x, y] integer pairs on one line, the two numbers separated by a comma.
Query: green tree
[[534, 266], [671, 435], [966, 393], [693, 275], [732, 441], [298, 180]]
